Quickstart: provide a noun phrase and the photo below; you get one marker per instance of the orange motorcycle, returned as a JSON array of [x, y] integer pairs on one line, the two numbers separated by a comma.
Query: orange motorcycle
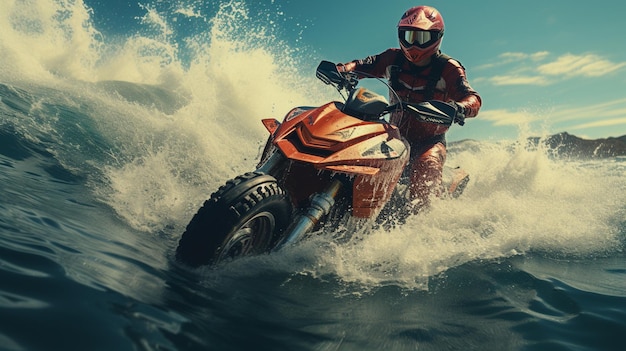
[[319, 165]]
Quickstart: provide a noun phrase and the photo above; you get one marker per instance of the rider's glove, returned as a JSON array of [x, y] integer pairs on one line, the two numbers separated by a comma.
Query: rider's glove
[[351, 80], [460, 114]]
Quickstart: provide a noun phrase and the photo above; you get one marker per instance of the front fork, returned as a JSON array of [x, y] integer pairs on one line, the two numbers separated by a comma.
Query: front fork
[[272, 162]]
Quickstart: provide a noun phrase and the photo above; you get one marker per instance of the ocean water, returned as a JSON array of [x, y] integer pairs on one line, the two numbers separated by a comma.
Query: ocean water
[[115, 127]]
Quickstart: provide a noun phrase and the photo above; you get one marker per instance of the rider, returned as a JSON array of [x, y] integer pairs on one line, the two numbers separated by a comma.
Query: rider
[[418, 72]]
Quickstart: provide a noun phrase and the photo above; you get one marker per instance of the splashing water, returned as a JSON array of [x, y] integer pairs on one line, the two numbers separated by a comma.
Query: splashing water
[[175, 107], [518, 202]]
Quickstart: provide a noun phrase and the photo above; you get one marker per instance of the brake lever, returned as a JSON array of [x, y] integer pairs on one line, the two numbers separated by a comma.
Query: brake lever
[[459, 118]]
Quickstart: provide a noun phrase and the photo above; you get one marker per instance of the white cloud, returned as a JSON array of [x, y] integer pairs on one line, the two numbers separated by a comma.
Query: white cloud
[[518, 80], [602, 114], [602, 123], [511, 57], [532, 68], [580, 65], [609, 114], [504, 117], [538, 56]]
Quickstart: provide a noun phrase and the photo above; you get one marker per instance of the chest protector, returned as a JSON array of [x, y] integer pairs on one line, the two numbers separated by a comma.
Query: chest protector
[[436, 68]]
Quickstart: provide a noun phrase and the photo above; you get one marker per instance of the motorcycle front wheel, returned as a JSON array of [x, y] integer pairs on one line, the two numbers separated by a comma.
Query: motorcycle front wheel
[[246, 216]]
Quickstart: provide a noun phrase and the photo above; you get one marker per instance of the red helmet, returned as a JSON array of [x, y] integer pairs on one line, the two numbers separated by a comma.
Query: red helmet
[[420, 31]]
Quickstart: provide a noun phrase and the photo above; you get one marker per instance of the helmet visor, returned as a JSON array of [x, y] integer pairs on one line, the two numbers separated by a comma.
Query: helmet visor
[[421, 38]]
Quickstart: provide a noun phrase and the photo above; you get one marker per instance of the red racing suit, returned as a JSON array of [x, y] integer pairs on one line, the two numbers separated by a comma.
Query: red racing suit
[[414, 84]]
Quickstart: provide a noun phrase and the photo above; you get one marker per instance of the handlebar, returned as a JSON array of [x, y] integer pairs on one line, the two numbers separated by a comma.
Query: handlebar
[[433, 111], [328, 73]]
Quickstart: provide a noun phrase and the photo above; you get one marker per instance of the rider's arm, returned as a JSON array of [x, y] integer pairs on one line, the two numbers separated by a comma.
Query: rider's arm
[[374, 66], [459, 89]]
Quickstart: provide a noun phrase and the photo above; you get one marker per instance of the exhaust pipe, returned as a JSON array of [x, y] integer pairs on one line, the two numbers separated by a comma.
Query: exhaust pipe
[[321, 204]]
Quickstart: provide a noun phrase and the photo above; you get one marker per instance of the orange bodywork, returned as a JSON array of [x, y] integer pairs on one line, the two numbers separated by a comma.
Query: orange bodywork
[[325, 138]]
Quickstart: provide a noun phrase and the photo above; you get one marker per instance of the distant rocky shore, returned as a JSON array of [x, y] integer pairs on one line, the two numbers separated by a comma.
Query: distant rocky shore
[[563, 145], [568, 145]]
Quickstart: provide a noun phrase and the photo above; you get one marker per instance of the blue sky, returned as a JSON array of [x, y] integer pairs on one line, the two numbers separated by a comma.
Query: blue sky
[[541, 67]]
